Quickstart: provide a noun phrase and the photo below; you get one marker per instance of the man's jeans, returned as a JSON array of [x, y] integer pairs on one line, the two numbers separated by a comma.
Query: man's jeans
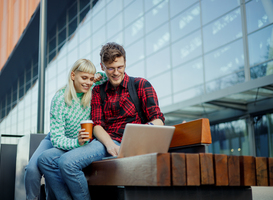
[[63, 169], [32, 173]]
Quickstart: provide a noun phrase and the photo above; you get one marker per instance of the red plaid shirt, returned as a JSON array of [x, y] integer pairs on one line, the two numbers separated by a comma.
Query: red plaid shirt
[[119, 109]]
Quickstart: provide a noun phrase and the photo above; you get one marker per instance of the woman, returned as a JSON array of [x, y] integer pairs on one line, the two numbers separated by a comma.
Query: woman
[[69, 107]]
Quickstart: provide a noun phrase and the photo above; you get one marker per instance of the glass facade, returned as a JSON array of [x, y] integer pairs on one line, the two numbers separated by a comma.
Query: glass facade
[[186, 49]]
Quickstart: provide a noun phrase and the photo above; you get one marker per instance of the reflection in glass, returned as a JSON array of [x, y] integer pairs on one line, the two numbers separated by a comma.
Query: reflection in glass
[[187, 48], [230, 138], [114, 26], [158, 63], [162, 84], [158, 39], [261, 135], [225, 60], [223, 30], [188, 75], [258, 14], [177, 6], [261, 45], [134, 31], [225, 82], [158, 15], [132, 12], [188, 94], [261, 70], [186, 22], [135, 52], [212, 9]]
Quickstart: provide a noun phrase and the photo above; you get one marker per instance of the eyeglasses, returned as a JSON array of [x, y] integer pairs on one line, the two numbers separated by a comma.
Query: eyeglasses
[[112, 69]]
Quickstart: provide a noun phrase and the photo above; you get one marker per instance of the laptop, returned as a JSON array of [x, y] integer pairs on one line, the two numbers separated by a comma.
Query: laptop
[[139, 139]]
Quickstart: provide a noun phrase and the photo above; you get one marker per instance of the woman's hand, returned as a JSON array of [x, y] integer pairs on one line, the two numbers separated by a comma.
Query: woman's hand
[[83, 136], [97, 77], [113, 149]]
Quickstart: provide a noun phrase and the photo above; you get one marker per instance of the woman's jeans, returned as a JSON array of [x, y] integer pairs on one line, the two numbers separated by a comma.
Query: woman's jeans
[[32, 173], [63, 169]]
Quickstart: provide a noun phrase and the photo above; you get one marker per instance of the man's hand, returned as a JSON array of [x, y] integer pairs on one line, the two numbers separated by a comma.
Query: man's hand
[[113, 149], [97, 77], [83, 136]]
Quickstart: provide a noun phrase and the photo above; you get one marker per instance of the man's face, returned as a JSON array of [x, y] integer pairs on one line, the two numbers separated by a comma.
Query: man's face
[[115, 71]]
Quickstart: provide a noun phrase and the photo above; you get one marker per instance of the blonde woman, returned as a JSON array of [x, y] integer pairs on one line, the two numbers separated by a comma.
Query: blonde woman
[[69, 106]]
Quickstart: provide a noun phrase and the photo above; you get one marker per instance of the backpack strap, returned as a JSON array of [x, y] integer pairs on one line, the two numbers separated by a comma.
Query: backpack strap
[[135, 99], [102, 95]]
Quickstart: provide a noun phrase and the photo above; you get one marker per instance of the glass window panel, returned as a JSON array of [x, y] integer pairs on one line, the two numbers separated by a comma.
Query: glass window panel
[[62, 79], [113, 8], [52, 45], [85, 48], [261, 70], [186, 22], [158, 39], [84, 31], [84, 13], [225, 60], [118, 38], [72, 11], [62, 21], [188, 94], [21, 92], [71, 58], [176, 6], [51, 56], [261, 136], [261, 46], [97, 5], [61, 36], [186, 49], [84, 3], [134, 31], [21, 80], [162, 84], [151, 3], [258, 14], [226, 81], [8, 99], [98, 21], [212, 9], [28, 75], [35, 72], [133, 12], [135, 52], [72, 27], [157, 16], [223, 30], [136, 70], [14, 96], [99, 38], [158, 63], [96, 58], [114, 26], [165, 101], [188, 75], [127, 2]]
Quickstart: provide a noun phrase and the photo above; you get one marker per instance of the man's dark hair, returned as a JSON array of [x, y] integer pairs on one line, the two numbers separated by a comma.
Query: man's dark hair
[[110, 51]]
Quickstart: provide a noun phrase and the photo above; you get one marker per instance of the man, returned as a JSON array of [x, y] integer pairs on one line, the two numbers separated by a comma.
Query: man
[[111, 116]]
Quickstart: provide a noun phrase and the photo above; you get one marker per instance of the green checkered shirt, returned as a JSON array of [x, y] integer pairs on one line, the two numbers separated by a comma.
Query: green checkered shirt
[[65, 120]]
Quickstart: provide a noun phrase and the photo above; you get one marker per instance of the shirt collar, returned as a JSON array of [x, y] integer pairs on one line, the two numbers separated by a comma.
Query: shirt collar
[[124, 83]]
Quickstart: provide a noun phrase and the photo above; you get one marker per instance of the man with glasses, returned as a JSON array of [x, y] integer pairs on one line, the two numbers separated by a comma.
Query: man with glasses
[[118, 109]]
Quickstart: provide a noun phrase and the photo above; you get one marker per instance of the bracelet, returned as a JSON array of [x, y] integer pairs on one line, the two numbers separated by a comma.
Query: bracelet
[[150, 123]]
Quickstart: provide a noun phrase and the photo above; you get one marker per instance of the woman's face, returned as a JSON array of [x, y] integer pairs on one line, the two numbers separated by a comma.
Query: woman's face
[[82, 81]]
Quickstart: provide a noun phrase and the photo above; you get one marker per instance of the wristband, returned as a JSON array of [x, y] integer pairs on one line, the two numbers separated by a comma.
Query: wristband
[[150, 123]]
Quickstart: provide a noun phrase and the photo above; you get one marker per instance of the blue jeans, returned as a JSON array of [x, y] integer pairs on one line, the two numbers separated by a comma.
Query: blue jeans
[[63, 169], [32, 173]]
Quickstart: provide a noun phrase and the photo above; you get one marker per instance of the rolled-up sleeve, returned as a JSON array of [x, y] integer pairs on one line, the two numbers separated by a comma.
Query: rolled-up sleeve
[[96, 107]]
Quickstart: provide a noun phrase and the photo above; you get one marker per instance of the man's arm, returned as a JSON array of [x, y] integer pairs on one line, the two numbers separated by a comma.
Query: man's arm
[[105, 139]]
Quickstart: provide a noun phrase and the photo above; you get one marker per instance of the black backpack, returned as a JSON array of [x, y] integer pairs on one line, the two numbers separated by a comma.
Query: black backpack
[[133, 95]]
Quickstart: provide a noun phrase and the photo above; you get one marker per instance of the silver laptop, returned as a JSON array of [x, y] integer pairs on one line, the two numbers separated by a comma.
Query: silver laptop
[[139, 139]]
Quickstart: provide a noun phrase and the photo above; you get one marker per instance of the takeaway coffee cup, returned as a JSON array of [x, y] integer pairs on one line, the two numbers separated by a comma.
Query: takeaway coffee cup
[[88, 126]]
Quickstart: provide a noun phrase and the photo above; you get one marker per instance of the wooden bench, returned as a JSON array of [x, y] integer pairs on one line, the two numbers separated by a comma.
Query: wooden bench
[[180, 175]]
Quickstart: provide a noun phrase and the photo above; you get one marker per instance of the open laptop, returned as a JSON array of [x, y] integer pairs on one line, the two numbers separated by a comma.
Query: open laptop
[[139, 139]]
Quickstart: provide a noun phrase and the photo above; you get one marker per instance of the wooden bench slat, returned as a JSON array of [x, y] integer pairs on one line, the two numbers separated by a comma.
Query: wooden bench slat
[[248, 170], [221, 169], [234, 171], [144, 170], [206, 168], [178, 161], [261, 171], [193, 132], [270, 171], [192, 169]]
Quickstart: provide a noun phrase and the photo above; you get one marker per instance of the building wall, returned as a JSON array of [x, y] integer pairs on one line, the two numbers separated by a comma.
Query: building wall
[[14, 17], [184, 48]]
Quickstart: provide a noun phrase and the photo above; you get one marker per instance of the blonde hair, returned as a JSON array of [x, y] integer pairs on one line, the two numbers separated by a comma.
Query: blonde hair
[[82, 65]]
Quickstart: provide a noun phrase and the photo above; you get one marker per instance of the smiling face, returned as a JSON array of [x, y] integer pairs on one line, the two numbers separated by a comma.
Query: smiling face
[[115, 71], [82, 81]]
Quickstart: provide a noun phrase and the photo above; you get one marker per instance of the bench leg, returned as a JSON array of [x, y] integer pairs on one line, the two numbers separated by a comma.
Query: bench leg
[[188, 193], [106, 192]]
